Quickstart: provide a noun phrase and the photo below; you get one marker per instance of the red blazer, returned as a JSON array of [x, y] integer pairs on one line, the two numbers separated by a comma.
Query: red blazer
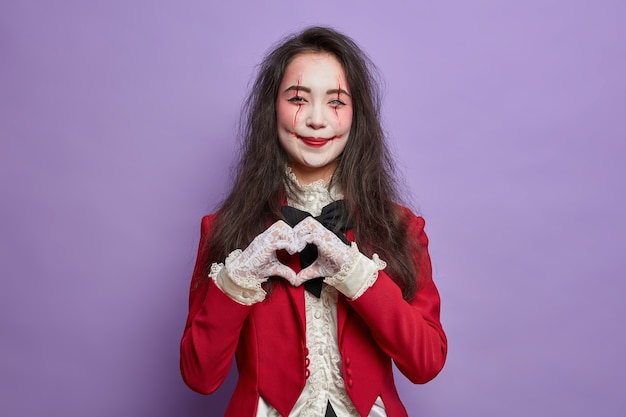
[[268, 338]]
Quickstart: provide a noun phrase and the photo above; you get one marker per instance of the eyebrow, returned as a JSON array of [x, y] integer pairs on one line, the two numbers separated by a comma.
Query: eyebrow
[[338, 90], [308, 90]]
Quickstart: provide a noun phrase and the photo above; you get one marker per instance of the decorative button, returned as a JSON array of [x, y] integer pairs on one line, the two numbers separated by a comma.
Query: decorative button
[[320, 350], [350, 383], [318, 314], [245, 294], [347, 361], [349, 373]]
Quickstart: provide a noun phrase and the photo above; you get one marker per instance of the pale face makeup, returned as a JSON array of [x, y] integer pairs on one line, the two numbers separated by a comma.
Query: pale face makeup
[[314, 115]]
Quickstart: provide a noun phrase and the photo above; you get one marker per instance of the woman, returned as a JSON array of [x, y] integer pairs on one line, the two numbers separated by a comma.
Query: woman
[[317, 279]]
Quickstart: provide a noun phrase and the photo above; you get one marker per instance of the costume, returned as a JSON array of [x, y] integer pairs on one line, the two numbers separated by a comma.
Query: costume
[[268, 339]]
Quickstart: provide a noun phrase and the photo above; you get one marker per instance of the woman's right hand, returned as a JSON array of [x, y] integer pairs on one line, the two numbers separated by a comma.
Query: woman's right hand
[[259, 261]]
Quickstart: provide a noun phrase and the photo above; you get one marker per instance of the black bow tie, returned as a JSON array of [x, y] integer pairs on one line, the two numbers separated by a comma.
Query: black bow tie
[[332, 218]]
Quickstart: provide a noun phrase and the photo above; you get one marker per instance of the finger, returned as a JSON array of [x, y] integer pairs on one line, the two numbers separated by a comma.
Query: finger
[[280, 236], [280, 270], [280, 225], [309, 223], [310, 272], [279, 229], [298, 244], [295, 281], [286, 244], [309, 230]]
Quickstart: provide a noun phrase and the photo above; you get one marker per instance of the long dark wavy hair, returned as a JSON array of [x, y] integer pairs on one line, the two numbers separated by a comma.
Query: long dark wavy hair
[[365, 171]]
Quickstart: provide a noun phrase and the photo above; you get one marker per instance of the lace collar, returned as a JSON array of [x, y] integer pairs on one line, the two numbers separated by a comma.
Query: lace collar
[[310, 197]]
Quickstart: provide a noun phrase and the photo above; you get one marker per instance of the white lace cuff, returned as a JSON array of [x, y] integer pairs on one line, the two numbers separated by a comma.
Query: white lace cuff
[[357, 276], [246, 291]]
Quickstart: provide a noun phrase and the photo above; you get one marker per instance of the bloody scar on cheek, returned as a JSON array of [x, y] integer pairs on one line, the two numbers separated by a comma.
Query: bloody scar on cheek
[[295, 116], [339, 99]]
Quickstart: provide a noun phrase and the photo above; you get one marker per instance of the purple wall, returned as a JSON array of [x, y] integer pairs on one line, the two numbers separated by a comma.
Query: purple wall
[[116, 127]]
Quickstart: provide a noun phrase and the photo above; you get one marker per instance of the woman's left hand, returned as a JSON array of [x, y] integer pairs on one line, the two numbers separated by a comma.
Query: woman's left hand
[[332, 254]]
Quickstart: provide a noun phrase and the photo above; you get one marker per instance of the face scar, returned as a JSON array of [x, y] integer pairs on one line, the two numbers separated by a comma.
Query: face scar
[[339, 99], [295, 116]]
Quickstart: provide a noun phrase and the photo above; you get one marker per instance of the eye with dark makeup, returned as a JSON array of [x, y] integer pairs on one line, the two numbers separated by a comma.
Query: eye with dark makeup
[[296, 99], [337, 103]]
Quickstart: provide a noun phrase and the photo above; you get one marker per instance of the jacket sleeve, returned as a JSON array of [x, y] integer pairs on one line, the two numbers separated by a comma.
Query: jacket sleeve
[[212, 329], [410, 332]]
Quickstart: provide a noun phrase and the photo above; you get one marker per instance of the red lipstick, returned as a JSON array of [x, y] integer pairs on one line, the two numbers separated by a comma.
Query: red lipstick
[[315, 142]]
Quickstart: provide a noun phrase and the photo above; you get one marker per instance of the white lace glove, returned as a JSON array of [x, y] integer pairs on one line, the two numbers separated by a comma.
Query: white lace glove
[[258, 261], [344, 267], [332, 254], [243, 272]]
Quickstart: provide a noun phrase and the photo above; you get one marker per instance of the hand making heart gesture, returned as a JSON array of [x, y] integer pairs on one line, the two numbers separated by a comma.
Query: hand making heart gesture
[[332, 253], [259, 260]]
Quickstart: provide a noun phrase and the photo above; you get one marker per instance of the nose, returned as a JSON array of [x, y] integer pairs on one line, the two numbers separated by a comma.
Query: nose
[[316, 118]]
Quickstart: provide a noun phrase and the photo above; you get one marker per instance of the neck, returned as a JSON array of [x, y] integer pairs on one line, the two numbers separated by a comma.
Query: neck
[[306, 176]]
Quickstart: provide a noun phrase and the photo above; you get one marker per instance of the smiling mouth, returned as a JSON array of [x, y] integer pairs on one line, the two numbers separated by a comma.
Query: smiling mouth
[[315, 142]]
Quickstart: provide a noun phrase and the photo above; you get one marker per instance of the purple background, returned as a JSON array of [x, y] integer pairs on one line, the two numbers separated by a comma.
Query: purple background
[[117, 123]]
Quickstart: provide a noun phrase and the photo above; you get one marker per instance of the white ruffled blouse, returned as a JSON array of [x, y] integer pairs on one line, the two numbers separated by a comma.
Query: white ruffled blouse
[[325, 382]]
